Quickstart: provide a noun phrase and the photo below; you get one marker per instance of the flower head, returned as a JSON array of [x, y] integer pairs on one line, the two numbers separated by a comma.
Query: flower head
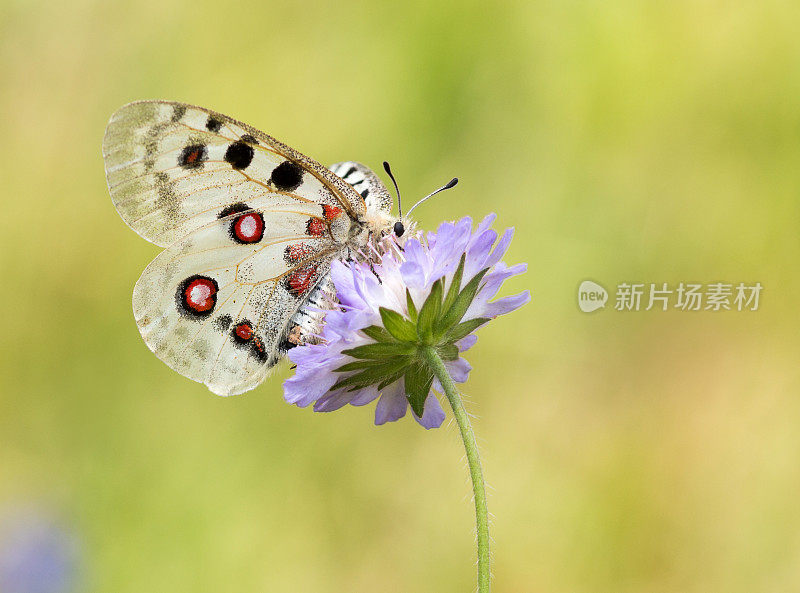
[[433, 293]]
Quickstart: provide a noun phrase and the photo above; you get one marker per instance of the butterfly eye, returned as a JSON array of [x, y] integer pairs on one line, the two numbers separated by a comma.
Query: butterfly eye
[[399, 229]]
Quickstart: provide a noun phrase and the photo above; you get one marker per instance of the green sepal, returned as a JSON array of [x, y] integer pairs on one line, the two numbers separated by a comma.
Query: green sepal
[[391, 379], [373, 374], [399, 327], [455, 284], [380, 350], [419, 379], [377, 333], [465, 328], [395, 355], [356, 366], [461, 303], [412, 308], [429, 312], [448, 352]]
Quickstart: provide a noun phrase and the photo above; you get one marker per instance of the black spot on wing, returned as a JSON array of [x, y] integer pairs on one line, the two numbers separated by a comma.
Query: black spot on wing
[[258, 350], [151, 142], [239, 155], [287, 176], [213, 124], [178, 112], [365, 193], [223, 322], [167, 200], [233, 209]]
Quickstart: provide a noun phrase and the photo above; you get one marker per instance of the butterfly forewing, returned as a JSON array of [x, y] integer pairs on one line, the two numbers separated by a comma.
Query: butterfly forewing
[[172, 167]]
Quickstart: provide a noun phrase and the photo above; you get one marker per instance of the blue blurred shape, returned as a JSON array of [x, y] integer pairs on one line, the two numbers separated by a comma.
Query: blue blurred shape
[[37, 555]]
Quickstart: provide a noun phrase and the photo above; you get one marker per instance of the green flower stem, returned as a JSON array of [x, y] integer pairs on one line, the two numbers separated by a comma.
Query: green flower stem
[[478, 488]]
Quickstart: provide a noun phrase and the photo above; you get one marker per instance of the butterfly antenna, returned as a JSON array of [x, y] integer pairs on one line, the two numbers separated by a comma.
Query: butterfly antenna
[[449, 184], [388, 170]]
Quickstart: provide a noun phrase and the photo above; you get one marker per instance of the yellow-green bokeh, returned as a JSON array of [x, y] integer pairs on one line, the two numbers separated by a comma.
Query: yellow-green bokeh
[[644, 452]]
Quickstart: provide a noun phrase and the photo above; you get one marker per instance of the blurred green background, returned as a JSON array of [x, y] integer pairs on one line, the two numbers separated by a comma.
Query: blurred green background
[[647, 452]]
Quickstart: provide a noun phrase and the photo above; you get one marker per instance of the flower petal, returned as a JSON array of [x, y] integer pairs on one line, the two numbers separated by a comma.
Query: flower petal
[[500, 249], [432, 415], [314, 376], [414, 252], [459, 370], [486, 223], [413, 274], [466, 342], [342, 276], [364, 396], [392, 405], [507, 304], [333, 401], [478, 252], [492, 283]]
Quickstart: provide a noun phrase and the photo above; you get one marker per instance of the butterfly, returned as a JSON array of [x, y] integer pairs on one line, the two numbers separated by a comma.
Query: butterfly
[[250, 227]]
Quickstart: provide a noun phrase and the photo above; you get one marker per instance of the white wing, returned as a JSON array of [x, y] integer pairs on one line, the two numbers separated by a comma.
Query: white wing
[[251, 224], [216, 309], [172, 167]]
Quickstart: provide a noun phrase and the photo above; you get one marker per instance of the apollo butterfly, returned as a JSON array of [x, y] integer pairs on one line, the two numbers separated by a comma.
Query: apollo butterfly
[[250, 227]]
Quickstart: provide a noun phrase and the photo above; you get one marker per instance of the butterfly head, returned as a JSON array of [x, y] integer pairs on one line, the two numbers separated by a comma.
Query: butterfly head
[[399, 227]]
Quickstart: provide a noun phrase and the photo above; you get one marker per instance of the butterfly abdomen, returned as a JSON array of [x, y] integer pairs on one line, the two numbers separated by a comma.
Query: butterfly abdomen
[[366, 183]]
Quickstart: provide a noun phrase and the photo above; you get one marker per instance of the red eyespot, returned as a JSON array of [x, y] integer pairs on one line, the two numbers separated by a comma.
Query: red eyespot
[[198, 295], [330, 212], [248, 228], [299, 281], [315, 226], [243, 332]]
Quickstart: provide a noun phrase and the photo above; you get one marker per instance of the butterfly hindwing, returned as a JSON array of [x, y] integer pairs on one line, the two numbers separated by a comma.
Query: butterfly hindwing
[[172, 167], [216, 308]]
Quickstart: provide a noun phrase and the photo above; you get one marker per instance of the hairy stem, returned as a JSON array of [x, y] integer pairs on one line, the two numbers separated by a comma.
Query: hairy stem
[[473, 458]]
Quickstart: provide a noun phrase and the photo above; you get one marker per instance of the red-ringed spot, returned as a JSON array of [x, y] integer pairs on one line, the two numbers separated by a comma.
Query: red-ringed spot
[[248, 228], [242, 332], [197, 295]]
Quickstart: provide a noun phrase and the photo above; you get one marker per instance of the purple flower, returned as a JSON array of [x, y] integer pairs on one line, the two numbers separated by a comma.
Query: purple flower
[[433, 292], [36, 555]]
